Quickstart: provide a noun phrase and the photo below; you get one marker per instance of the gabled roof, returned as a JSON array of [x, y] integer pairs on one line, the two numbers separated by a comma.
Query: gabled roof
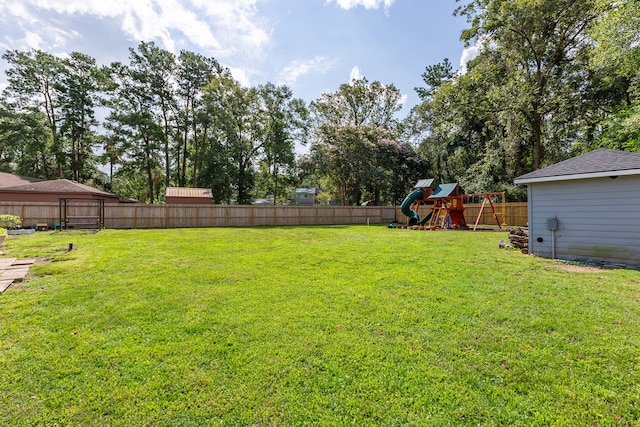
[[57, 186], [444, 190], [426, 183], [306, 191], [189, 192], [599, 163], [11, 180]]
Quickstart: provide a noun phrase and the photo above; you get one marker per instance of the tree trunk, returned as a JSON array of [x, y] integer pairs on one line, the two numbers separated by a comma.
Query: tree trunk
[[147, 154], [275, 183], [536, 126]]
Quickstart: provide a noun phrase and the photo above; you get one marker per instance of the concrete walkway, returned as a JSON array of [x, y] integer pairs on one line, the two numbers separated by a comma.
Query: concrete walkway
[[13, 270]]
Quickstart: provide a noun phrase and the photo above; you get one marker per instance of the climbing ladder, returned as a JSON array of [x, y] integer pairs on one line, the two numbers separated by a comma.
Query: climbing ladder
[[439, 217]]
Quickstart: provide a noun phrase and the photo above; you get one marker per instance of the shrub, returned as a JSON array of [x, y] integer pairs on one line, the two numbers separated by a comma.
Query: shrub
[[10, 221], [3, 231]]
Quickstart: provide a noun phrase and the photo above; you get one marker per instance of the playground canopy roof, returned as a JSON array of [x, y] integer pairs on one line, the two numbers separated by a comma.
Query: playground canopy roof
[[445, 190], [602, 162], [426, 183]]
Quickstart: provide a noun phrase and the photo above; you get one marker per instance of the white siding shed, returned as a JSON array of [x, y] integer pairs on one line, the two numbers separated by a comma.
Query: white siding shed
[[586, 208]]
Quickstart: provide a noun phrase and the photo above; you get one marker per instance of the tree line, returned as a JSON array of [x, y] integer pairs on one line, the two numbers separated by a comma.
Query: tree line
[[553, 78]]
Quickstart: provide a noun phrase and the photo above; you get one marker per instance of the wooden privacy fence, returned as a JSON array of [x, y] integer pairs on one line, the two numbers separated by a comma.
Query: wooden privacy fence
[[177, 216]]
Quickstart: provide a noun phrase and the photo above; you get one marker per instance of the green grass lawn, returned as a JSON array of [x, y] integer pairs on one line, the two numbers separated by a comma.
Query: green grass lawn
[[313, 326]]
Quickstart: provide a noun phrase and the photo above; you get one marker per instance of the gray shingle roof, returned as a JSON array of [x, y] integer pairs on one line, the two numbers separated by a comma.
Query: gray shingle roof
[[600, 162]]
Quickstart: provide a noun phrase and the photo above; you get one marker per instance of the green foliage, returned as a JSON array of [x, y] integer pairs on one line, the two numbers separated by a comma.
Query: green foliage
[[314, 325], [10, 221], [433, 77], [537, 93], [284, 122], [553, 78], [617, 33], [622, 129], [3, 231], [355, 144]]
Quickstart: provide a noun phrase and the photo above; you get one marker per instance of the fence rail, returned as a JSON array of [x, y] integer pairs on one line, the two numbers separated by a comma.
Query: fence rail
[[177, 216]]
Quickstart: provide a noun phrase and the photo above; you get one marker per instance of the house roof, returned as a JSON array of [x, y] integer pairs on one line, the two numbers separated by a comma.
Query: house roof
[[57, 186], [11, 180], [189, 192], [306, 191], [602, 162]]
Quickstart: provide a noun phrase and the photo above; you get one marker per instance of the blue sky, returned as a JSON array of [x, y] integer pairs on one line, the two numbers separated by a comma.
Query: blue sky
[[313, 46]]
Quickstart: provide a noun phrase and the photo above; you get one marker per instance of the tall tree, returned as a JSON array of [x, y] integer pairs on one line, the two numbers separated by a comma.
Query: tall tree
[[132, 118], [24, 137], [194, 72], [31, 78], [537, 39], [155, 67], [284, 119], [617, 53], [79, 89], [239, 122], [349, 126]]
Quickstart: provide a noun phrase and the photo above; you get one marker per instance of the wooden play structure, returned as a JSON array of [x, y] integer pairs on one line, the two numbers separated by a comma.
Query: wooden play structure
[[486, 199], [448, 206]]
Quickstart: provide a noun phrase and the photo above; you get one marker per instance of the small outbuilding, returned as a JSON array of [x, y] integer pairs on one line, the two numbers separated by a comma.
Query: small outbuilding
[[188, 196], [306, 196], [586, 208]]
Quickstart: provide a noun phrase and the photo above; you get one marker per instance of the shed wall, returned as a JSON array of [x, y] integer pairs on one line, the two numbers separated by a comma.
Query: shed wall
[[173, 200], [598, 219]]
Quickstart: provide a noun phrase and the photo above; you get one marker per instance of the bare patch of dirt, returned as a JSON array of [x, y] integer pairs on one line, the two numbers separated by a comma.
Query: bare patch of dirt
[[574, 268]]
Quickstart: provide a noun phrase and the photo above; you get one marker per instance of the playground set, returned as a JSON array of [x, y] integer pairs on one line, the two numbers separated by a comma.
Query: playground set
[[448, 206]]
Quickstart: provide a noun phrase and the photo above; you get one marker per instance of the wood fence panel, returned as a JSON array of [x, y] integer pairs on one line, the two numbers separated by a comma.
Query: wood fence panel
[[32, 213], [171, 216], [119, 216], [182, 216], [326, 215]]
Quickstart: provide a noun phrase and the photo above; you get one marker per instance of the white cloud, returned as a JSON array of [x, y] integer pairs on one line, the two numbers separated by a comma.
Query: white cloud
[[317, 65], [224, 27], [367, 4], [469, 53], [17, 10], [32, 40], [237, 23], [355, 74], [403, 100], [241, 76]]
